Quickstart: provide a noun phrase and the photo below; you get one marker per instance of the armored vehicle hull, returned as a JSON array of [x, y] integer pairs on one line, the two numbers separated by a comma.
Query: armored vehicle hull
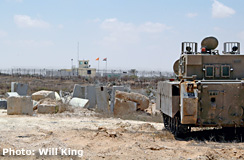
[[208, 91]]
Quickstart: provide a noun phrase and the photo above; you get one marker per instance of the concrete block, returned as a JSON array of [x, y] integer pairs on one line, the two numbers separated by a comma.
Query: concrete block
[[19, 105], [141, 100], [91, 96], [3, 104], [102, 97], [12, 94], [42, 95], [123, 107], [47, 108], [115, 88], [79, 102], [79, 91], [20, 88]]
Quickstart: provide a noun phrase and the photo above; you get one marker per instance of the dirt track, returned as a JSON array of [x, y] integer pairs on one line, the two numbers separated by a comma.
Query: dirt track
[[107, 138]]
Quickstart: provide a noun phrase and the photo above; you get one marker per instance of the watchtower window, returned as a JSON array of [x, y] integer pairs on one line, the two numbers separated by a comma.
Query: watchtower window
[[88, 71], [225, 71], [209, 71]]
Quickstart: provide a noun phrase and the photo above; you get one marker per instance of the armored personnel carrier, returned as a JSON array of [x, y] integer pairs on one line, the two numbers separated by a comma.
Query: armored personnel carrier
[[208, 90]]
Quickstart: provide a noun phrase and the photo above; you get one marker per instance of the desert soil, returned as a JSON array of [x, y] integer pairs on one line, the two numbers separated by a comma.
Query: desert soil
[[107, 138]]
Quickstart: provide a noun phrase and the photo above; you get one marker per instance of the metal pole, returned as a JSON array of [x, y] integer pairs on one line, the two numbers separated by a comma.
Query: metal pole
[[98, 66], [78, 54], [71, 63], [106, 66], [72, 67]]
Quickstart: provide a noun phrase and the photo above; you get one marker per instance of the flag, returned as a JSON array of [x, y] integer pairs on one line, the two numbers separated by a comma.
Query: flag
[[104, 59], [97, 59]]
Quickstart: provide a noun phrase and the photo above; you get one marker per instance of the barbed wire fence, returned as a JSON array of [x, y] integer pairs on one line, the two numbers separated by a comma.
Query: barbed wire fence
[[56, 73], [131, 78]]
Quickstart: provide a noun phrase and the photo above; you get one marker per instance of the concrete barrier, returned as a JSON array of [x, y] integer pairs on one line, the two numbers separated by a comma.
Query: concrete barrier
[[85, 92], [102, 99], [79, 91], [91, 96], [20, 88]]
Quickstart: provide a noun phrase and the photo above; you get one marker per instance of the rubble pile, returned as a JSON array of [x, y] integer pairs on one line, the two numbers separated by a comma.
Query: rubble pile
[[114, 100]]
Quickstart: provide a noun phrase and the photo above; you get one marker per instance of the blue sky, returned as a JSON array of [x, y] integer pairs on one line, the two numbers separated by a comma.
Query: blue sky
[[140, 34]]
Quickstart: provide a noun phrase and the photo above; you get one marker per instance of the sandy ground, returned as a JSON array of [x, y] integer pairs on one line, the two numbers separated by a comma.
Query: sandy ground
[[107, 138]]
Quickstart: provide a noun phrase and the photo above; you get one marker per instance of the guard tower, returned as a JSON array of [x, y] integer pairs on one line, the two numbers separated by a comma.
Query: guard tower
[[84, 64], [85, 70]]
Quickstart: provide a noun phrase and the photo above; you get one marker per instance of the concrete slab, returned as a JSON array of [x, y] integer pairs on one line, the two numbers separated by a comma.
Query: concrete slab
[[79, 102], [79, 91], [20, 88], [3, 104], [19, 105], [12, 94], [102, 97]]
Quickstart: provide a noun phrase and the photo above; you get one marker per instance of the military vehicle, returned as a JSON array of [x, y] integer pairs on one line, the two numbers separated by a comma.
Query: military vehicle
[[208, 90]]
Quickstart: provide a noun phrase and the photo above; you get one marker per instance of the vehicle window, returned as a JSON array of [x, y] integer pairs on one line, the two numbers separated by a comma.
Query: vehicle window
[[225, 71], [209, 71]]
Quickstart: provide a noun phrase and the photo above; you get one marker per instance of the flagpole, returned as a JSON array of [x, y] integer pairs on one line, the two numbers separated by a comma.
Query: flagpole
[[98, 66], [107, 68]]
